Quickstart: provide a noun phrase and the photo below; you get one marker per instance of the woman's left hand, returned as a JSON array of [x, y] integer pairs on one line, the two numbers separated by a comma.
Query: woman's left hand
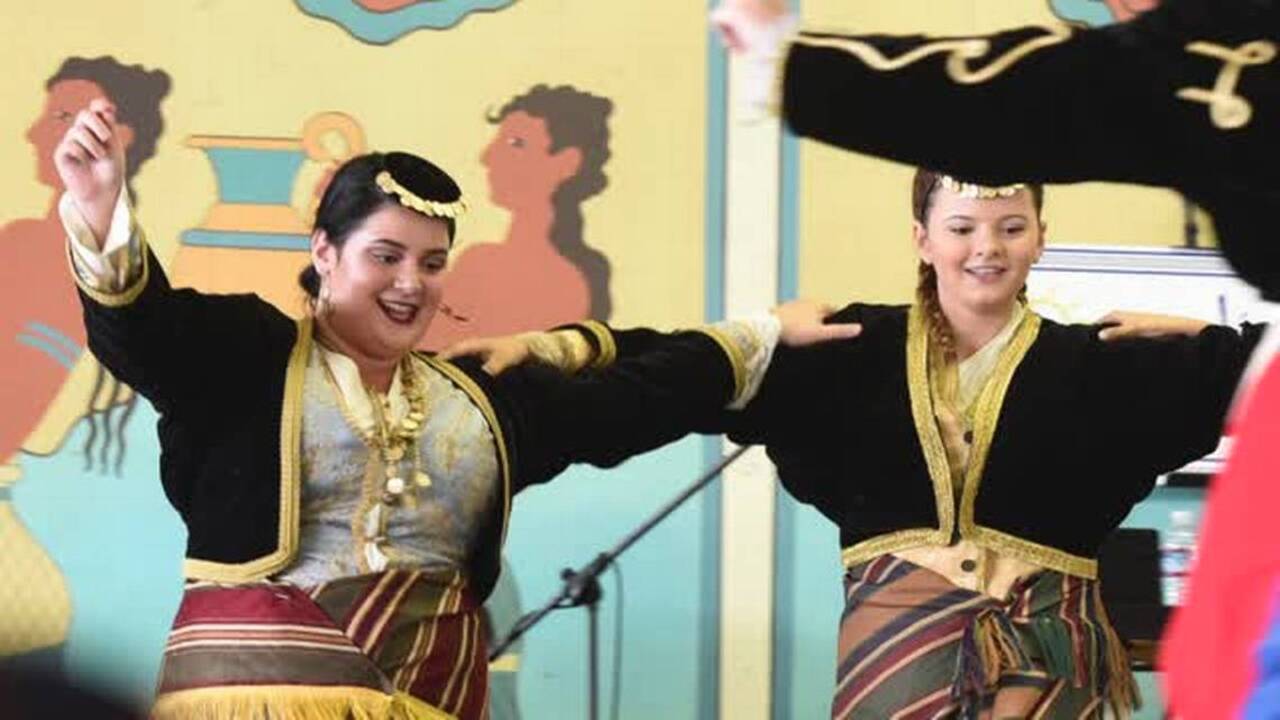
[[803, 323], [1122, 324], [497, 353]]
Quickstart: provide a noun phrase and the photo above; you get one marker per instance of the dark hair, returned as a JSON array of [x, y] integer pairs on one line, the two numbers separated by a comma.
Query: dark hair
[[136, 92], [353, 195], [923, 188], [581, 120]]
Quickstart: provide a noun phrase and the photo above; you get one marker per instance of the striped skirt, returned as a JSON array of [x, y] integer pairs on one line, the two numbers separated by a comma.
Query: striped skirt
[[913, 646], [397, 644]]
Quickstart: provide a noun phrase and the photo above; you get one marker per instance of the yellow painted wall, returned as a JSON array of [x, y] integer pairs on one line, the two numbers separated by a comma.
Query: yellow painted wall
[[262, 68]]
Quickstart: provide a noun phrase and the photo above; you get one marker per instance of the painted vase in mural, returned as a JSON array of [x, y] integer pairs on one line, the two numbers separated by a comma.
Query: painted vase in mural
[[256, 234], [258, 183]]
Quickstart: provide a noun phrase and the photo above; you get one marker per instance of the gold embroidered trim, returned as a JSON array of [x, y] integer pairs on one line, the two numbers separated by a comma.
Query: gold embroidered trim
[[734, 355], [892, 542], [430, 208], [566, 350], [986, 417], [959, 52], [1042, 555], [983, 192], [290, 480], [1003, 543], [128, 294], [481, 400], [608, 348], [291, 701], [1227, 110], [935, 453], [986, 414]]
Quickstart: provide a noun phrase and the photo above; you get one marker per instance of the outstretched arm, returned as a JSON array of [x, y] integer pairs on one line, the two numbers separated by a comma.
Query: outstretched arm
[[1166, 397], [172, 346], [1140, 101]]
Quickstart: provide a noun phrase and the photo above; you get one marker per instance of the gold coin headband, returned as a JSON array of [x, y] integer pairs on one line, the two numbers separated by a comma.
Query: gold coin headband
[[973, 190], [430, 208]]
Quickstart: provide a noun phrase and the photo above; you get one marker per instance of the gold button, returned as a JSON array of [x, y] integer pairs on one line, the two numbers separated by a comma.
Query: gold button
[[969, 565]]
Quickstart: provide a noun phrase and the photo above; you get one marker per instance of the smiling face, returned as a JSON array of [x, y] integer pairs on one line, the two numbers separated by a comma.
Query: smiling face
[[384, 283], [981, 249]]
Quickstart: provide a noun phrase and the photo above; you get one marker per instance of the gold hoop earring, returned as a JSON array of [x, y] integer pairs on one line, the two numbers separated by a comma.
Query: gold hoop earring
[[324, 301]]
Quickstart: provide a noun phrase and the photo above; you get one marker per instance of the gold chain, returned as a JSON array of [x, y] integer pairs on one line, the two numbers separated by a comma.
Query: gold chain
[[392, 441]]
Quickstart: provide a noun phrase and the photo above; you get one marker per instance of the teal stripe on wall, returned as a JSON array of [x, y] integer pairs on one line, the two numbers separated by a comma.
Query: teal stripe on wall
[[245, 240], [807, 592], [714, 282], [785, 550]]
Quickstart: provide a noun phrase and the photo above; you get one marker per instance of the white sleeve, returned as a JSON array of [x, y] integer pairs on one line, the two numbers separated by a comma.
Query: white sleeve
[[750, 343], [118, 264], [763, 64]]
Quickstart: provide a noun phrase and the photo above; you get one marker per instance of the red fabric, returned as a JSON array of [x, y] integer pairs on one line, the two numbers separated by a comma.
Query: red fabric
[[1208, 652]]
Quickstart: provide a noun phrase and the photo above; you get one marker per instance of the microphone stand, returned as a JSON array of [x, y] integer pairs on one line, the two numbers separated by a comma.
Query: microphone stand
[[582, 587]]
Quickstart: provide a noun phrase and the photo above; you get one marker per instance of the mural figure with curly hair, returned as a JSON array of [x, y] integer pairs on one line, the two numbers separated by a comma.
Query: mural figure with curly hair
[[545, 160]]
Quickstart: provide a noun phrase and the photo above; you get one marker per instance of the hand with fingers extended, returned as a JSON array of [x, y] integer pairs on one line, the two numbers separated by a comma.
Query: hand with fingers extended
[[1120, 324], [804, 323], [498, 354], [90, 161], [741, 22]]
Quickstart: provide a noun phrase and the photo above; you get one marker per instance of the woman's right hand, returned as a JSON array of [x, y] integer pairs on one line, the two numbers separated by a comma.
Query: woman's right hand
[[90, 161]]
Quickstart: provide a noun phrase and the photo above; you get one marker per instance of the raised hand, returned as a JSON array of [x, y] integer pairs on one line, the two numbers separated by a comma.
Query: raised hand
[[740, 21], [90, 161], [803, 323]]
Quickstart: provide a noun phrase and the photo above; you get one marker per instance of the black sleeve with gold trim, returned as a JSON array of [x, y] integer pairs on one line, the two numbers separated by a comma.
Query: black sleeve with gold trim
[[178, 346], [679, 383], [1184, 96], [1025, 105], [791, 407]]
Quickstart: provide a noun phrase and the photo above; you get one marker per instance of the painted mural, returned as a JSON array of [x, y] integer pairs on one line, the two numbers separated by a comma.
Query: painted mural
[[546, 158], [256, 233], [232, 137], [384, 21], [52, 384]]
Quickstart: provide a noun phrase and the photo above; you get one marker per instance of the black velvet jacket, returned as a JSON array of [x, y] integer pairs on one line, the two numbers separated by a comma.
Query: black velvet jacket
[[1069, 433], [1184, 96], [225, 374]]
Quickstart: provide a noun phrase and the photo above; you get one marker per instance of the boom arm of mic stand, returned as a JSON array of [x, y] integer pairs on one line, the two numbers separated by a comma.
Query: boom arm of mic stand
[[579, 584]]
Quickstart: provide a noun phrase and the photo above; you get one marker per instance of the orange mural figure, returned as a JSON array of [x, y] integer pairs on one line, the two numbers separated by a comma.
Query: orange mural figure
[[40, 325], [546, 158], [51, 383]]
